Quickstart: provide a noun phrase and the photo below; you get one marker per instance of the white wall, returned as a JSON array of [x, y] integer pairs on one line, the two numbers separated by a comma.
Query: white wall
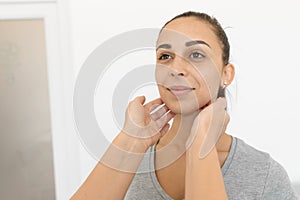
[[264, 37]]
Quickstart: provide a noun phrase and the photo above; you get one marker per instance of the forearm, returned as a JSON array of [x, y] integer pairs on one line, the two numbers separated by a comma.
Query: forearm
[[204, 178], [111, 177]]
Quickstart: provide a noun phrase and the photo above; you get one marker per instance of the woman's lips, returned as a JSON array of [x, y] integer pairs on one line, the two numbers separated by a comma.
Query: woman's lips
[[179, 90]]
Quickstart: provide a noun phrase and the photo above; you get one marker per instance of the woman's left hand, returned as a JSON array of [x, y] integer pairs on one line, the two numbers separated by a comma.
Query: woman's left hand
[[207, 128]]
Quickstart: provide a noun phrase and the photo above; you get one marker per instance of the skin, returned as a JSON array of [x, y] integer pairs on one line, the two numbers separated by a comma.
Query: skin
[[179, 168], [180, 179]]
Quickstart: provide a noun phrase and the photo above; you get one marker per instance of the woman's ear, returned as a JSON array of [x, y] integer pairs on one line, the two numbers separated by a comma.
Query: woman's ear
[[228, 73]]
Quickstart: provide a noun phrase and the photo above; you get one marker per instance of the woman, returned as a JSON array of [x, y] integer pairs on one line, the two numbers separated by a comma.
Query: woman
[[195, 158]]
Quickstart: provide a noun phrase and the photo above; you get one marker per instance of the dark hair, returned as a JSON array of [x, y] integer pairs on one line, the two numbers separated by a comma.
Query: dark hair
[[216, 27]]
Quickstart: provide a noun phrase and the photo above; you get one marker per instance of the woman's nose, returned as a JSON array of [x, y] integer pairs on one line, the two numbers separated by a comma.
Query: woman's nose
[[178, 67], [176, 74]]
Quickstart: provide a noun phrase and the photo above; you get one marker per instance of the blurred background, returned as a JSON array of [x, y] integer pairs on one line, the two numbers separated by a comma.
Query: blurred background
[[44, 43]]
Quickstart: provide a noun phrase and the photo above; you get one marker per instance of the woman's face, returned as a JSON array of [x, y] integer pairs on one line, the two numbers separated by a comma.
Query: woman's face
[[188, 65]]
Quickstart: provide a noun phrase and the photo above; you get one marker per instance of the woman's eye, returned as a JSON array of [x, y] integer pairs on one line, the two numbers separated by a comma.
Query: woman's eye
[[164, 57], [196, 55]]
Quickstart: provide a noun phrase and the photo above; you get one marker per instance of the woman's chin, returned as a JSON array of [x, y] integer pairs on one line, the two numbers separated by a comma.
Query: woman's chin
[[183, 106], [183, 110]]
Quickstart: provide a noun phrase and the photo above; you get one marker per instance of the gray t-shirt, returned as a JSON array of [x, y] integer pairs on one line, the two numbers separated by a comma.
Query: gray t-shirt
[[247, 172]]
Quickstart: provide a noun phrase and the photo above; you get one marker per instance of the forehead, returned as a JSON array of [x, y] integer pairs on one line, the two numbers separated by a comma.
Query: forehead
[[186, 29]]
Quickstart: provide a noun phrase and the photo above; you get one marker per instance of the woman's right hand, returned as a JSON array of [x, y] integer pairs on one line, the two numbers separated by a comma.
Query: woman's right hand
[[145, 125]]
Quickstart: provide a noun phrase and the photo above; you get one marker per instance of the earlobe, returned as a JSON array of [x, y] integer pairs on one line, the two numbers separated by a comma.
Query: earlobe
[[228, 74]]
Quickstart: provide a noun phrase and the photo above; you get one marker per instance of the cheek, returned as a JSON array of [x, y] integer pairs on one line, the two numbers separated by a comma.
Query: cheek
[[161, 74], [208, 78], [203, 96]]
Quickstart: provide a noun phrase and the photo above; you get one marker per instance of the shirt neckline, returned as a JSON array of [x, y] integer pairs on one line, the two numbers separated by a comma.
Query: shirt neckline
[[158, 187]]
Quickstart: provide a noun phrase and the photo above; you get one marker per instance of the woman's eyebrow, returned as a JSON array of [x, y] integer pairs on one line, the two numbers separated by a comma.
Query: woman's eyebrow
[[194, 42], [189, 43], [165, 46]]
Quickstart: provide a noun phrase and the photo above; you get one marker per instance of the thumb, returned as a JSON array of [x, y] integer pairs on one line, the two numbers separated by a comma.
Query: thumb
[[141, 99]]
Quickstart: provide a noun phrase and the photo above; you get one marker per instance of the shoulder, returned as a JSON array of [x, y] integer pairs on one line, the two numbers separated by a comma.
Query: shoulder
[[249, 153], [248, 160], [278, 184], [255, 174]]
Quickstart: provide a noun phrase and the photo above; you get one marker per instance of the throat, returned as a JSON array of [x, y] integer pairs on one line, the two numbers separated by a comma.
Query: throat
[[176, 151]]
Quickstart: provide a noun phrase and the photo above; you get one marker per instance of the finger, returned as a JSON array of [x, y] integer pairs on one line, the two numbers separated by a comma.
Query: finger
[[227, 119], [216, 104], [221, 102], [206, 105], [140, 99], [153, 104], [161, 122], [159, 113], [165, 129]]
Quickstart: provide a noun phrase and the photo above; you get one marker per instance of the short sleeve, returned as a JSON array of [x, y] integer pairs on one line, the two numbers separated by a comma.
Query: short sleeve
[[278, 185]]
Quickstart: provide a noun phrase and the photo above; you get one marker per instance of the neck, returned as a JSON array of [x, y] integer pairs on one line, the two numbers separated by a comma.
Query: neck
[[180, 131]]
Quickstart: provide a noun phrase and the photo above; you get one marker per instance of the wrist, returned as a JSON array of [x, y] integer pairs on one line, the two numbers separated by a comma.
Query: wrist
[[195, 154], [192, 153], [124, 154], [129, 143], [195, 141]]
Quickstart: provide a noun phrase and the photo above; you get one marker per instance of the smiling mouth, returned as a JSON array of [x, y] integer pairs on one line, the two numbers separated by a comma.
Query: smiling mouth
[[180, 90]]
